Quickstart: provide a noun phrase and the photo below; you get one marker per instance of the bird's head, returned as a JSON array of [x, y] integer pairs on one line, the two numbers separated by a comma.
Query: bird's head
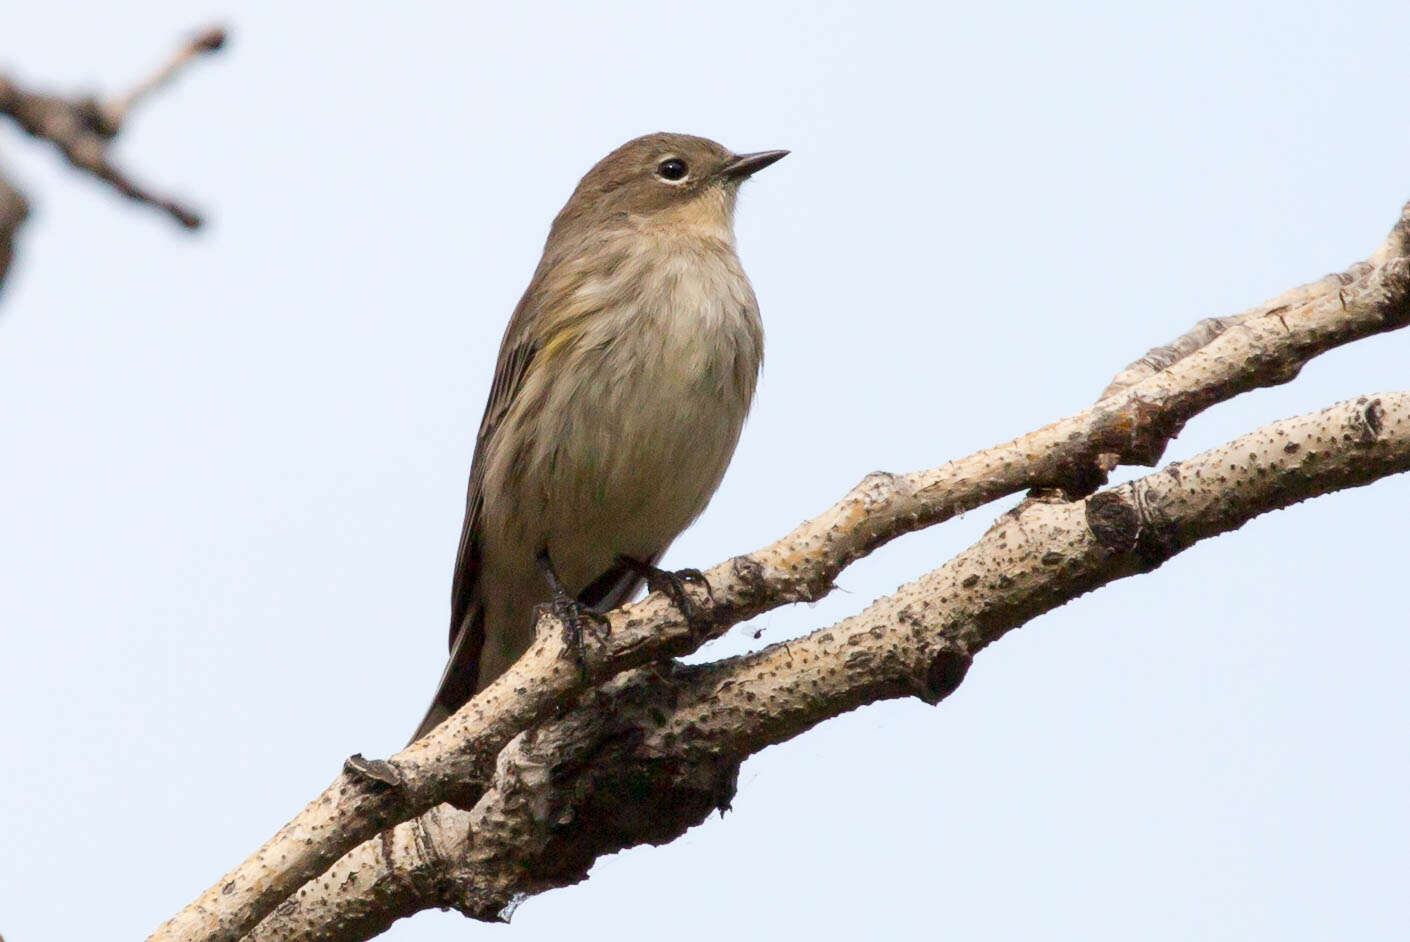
[[664, 180]]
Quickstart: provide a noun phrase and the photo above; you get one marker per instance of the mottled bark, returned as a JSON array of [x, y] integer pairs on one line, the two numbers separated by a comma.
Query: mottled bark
[[655, 750], [457, 762]]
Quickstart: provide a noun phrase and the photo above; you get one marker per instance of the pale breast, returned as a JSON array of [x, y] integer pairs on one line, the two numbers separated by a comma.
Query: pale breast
[[648, 406]]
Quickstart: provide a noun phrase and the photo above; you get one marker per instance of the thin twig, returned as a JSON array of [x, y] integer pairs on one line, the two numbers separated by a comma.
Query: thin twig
[[82, 128], [116, 110]]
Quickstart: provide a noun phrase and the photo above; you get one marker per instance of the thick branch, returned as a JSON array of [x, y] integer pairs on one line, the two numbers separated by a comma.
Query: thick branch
[[455, 761], [655, 751], [83, 128]]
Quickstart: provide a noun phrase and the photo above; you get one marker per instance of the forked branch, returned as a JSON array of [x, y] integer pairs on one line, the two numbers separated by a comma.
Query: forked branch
[[457, 761], [655, 750], [83, 127]]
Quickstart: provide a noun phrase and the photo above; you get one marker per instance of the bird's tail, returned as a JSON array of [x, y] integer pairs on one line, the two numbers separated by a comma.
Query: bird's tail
[[435, 716], [460, 679]]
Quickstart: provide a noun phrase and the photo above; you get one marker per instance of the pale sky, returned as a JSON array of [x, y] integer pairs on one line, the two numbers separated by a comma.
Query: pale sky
[[234, 465]]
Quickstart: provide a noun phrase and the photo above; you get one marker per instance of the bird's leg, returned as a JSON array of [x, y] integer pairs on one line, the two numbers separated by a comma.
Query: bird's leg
[[571, 613], [672, 584]]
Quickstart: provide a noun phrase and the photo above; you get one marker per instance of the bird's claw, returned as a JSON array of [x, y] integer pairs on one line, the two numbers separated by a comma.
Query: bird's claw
[[672, 585], [575, 617]]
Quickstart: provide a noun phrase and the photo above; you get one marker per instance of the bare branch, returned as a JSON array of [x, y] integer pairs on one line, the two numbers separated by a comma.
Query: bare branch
[[115, 111], [456, 761], [1396, 245], [82, 128], [656, 750]]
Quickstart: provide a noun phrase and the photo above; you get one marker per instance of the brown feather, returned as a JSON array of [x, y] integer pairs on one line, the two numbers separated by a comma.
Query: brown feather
[[596, 240]]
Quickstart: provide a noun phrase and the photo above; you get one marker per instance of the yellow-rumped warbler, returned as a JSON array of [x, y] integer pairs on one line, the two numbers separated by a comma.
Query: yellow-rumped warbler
[[623, 381]]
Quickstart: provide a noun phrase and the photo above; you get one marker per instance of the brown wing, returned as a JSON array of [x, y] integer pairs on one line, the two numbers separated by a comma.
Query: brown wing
[[509, 376], [522, 340], [467, 618]]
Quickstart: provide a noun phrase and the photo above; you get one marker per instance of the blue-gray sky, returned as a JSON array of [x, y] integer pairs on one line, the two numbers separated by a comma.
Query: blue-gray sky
[[234, 465]]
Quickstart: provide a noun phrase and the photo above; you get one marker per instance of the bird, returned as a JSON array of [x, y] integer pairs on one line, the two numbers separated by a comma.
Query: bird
[[622, 384]]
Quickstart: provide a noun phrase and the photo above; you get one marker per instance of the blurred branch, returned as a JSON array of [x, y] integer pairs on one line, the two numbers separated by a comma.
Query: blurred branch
[[83, 128], [14, 209], [115, 111], [656, 750], [457, 761]]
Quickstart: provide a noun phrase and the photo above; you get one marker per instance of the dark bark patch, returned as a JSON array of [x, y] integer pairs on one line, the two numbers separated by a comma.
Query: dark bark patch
[[1113, 521], [1373, 420], [943, 674]]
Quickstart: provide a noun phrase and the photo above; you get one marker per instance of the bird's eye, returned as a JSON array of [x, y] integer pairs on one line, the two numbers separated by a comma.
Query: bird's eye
[[672, 169]]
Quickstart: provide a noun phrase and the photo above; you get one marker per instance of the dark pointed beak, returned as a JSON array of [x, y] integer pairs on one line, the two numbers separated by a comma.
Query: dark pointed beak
[[746, 165]]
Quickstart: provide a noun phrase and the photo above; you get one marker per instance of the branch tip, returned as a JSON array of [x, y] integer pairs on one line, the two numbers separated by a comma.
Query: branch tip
[[82, 127]]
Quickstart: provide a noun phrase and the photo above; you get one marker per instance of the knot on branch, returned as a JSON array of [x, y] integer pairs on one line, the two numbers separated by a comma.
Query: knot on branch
[[749, 575], [945, 672], [1395, 283], [1123, 521], [876, 489], [1370, 421], [1113, 521], [374, 772]]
